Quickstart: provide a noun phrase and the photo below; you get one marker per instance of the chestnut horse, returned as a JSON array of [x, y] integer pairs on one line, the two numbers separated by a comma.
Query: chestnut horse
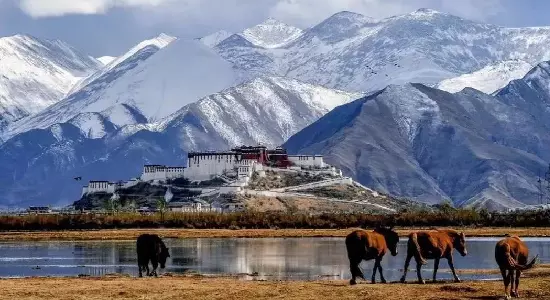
[[511, 255], [366, 245], [434, 244]]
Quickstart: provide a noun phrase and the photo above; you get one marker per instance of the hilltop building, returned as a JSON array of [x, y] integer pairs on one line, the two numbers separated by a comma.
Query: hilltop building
[[236, 165]]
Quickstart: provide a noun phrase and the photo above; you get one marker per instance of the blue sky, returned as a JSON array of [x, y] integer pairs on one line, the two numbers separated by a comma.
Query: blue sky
[[109, 27]]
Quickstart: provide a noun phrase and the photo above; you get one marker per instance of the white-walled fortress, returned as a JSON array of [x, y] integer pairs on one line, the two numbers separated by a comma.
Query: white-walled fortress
[[238, 164]]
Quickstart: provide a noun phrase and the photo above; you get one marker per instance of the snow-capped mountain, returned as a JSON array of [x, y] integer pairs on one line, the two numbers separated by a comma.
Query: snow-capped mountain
[[40, 163], [352, 52], [147, 86], [36, 73], [414, 141], [272, 34], [489, 79]]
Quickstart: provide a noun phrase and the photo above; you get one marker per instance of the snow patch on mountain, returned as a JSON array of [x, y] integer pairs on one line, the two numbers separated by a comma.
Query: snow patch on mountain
[[159, 42], [489, 79], [105, 60], [271, 34], [267, 110], [215, 38]]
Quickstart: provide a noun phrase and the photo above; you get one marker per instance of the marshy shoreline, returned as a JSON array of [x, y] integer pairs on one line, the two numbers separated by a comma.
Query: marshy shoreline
[[132, 234]]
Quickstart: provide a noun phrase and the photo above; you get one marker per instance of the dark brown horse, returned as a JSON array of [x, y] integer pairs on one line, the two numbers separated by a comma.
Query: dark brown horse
[[434, 244], [151, 248], [366, 245], [511, 256]]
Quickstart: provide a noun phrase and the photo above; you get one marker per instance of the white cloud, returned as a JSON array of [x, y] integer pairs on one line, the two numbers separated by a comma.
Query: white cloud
[[300, 12], [49, 8]]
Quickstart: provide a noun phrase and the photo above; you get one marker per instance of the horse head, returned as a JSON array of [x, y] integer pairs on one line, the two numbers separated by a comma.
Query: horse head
[[391, 237], [163, 255], [460, 244]]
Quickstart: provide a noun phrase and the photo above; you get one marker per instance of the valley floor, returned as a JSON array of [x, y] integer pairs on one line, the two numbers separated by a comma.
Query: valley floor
[[130, 234], [196, 287]]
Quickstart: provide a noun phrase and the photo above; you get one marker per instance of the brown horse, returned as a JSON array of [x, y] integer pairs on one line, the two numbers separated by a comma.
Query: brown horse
[[434, 244], [511, 256], [366, 245]]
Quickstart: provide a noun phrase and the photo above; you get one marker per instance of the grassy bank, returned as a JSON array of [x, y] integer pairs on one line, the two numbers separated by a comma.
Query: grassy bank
[[132, 234], [444, 216], [535, 287]]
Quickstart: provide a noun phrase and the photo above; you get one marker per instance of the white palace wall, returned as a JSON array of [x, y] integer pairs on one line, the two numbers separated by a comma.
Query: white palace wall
[[307, 160], [204, 167]]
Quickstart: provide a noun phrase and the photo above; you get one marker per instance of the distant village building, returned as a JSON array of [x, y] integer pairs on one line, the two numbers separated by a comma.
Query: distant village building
[[188, 207], [39, 210]]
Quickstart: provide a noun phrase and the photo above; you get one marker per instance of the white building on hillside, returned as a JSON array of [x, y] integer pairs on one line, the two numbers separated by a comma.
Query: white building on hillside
[[235, 167], [99, 187], [311, 161], [205, 165], [161, 173]]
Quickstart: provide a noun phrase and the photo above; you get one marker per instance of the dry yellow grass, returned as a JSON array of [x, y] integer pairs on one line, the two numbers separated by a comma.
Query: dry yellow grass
[[232, 288], [129, 234]]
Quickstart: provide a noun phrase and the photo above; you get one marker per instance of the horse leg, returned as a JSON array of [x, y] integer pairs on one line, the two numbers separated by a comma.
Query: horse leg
[[376, 264], [506, 279], [436, 266], [155, 264], [382, 279], [147, 268], [515, 292], [407, 262], [419, 273], [452, 266], [512, 282], [140, 273], [353, 267]]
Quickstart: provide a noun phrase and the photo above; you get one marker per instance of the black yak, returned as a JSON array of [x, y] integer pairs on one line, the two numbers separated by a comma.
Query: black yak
[[151, 248]]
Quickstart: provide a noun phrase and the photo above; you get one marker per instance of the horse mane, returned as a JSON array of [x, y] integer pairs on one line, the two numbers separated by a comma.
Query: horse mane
[[162, 245], [383, 230]]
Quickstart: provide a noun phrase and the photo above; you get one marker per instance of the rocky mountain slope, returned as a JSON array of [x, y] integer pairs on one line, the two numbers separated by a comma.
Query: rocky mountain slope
[[36, 73], [38, 165], [352, 52], [423, 143]]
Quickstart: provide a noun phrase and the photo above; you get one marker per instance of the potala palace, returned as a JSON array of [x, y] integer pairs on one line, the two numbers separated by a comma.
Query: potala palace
[[235, 167], [246, 176]]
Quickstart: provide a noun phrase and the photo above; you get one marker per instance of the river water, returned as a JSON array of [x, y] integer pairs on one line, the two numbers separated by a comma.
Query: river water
[[264, 258]]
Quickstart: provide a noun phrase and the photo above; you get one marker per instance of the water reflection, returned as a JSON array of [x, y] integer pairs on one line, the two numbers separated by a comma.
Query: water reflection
[[269, 258]]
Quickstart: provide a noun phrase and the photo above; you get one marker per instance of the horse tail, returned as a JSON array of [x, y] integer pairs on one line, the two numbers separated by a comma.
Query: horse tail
[[415, 247], [511, 264]]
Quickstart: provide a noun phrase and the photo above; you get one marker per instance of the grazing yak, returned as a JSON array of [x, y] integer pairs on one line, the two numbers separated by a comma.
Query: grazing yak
[[434, 244], [366, 245], [511, 255], [151, 248]]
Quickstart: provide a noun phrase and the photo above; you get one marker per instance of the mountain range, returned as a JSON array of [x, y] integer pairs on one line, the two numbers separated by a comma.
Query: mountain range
[[104, 118], [426, 144]]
